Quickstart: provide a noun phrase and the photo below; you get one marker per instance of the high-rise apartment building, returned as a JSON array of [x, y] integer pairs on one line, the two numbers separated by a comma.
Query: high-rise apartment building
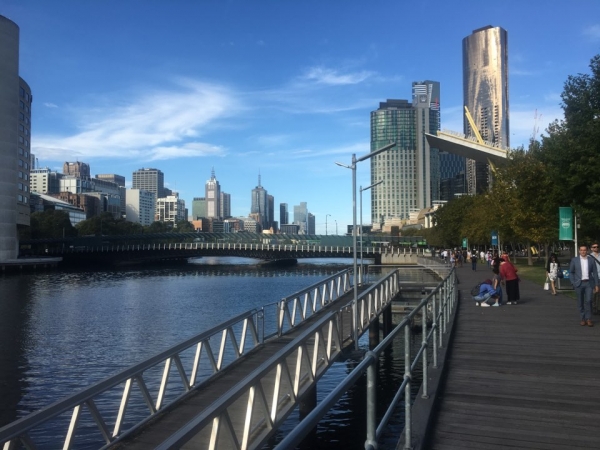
[[170, 209], [213, 197], [119, 180], [198, 208], [152, 180], [410, 170], [485, 94], [15, 146], [77, 169], [141, 206]]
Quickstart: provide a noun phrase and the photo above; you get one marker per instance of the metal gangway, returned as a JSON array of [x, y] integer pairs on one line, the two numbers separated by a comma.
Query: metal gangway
[[232, 386]]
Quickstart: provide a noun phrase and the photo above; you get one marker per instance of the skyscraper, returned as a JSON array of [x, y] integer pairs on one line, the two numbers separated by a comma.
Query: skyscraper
[[225, 205], [410, 171], [151, 180], [15, 146], [260, 205], [485, 94], [213, 197], [301, 217], [284, 218]]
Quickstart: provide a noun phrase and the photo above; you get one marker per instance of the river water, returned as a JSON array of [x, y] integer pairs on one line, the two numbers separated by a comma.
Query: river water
[[62, 331]]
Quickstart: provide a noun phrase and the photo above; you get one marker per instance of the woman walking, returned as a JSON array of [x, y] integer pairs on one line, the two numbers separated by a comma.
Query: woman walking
[[508, 272], [552, 269]]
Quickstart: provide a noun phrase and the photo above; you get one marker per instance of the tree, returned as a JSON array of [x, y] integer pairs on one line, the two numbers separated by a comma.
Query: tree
[[51, 224], [572, 147]]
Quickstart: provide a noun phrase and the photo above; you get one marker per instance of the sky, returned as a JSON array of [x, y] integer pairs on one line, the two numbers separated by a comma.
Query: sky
[[283, 88]]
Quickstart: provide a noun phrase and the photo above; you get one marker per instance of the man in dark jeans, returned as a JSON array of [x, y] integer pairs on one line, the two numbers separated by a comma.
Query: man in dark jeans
[[595, 254], [474, 259], [584, 277]]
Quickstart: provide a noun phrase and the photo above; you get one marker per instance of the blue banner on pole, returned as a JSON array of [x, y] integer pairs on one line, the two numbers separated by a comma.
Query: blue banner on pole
[[494, 238]]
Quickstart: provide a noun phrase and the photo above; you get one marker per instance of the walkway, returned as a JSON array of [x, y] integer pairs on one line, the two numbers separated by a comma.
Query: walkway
[[523, 376]]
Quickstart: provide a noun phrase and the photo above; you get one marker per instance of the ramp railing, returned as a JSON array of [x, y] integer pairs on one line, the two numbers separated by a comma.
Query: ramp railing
[[119, 405]]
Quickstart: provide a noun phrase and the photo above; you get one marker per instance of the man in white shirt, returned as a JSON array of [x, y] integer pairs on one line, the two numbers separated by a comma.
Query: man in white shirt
[[584, 277]]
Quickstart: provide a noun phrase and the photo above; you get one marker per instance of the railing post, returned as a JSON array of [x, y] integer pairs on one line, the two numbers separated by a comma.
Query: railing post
[[407, 405], [441, 316], [424, 344], [371, 441], [435, 329]]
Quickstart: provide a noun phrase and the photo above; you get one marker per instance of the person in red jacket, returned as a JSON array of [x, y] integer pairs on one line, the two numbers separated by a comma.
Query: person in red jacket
[[508, 272]]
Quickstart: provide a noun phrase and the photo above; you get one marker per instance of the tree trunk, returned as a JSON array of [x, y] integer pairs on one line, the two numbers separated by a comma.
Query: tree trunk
[[529, 255]]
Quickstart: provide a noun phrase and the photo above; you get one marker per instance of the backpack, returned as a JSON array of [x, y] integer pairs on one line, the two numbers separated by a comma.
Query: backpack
[[475, 290]]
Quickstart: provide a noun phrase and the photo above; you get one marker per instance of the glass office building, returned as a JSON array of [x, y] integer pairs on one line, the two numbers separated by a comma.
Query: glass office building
[[485, 94], [411, 170]]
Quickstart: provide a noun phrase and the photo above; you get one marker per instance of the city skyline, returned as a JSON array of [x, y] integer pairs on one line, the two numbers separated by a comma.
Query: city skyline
[[122, 87]]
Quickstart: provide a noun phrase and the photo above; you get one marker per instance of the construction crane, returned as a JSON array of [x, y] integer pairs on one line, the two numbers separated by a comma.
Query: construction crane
[[473, 126]]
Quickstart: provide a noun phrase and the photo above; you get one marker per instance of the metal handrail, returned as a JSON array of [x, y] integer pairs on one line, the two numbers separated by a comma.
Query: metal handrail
[[443, 302], [250, 326], [291, 372]]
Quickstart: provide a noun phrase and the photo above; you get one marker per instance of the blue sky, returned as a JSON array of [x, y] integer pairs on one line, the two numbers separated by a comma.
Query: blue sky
[[284, 88]]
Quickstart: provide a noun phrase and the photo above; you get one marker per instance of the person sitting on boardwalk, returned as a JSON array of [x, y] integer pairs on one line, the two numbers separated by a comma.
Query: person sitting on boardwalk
[[486, 291], [584, 277]]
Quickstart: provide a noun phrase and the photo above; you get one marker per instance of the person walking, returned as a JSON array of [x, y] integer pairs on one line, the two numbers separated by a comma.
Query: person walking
[[584, 277], [474, 260], [596, 255], [508, 272], [552, 269]]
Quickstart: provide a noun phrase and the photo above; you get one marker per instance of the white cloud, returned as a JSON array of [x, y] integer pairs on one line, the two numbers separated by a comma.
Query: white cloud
[[592, 32], [160, 124], [50, 105], [331, 77]]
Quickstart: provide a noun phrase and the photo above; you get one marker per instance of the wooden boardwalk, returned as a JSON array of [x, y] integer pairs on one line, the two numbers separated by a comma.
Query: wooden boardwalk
[[523, 376]]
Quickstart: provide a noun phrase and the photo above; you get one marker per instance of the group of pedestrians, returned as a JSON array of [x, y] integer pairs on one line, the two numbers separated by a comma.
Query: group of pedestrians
[[584, 274], [505, 273]]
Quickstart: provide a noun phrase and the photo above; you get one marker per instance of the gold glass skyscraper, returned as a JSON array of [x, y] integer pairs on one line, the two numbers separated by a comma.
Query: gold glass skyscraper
[[485, 94]]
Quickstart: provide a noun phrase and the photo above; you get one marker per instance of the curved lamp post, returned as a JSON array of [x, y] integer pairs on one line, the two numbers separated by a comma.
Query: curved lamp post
[[326, 216], [361, 228], [352, 166]]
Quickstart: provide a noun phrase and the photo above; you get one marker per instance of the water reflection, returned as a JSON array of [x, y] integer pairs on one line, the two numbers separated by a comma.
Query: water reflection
[[15, 311]]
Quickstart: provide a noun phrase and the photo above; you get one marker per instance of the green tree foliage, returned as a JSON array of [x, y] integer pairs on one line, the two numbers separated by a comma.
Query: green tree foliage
[[51, 224], [183, 226], [572, 148]]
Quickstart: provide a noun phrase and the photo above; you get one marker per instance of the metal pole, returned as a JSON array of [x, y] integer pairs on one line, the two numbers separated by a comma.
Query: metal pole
[[424, 357], [407, 376], [361, 237], [372, 403], [354, 262], [435, 330]]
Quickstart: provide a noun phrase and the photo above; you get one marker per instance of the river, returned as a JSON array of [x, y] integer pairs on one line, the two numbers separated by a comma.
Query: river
[[60, 331]]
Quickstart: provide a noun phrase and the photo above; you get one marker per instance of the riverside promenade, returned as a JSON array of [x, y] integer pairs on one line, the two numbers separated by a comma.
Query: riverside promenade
[[523, 376]]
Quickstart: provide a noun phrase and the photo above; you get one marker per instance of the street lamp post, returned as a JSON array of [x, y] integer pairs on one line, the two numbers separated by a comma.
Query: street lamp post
[[361, 228], [326, 215], [355, 161], [335, 227]]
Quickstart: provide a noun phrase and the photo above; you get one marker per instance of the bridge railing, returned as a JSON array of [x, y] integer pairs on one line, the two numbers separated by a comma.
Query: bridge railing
[[440, 303], [235, 246], [246, 416], [163, 379]]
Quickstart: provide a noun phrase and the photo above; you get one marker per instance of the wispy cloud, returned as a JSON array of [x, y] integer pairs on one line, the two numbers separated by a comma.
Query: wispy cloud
[[159, 124], [592, 32], [332, 77], [50, 105]]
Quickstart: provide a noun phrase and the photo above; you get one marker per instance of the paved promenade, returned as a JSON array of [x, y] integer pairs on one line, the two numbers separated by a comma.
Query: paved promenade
[[523, 376]]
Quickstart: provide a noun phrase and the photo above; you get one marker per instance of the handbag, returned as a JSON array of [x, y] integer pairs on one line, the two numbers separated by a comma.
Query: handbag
[[547, 285]]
